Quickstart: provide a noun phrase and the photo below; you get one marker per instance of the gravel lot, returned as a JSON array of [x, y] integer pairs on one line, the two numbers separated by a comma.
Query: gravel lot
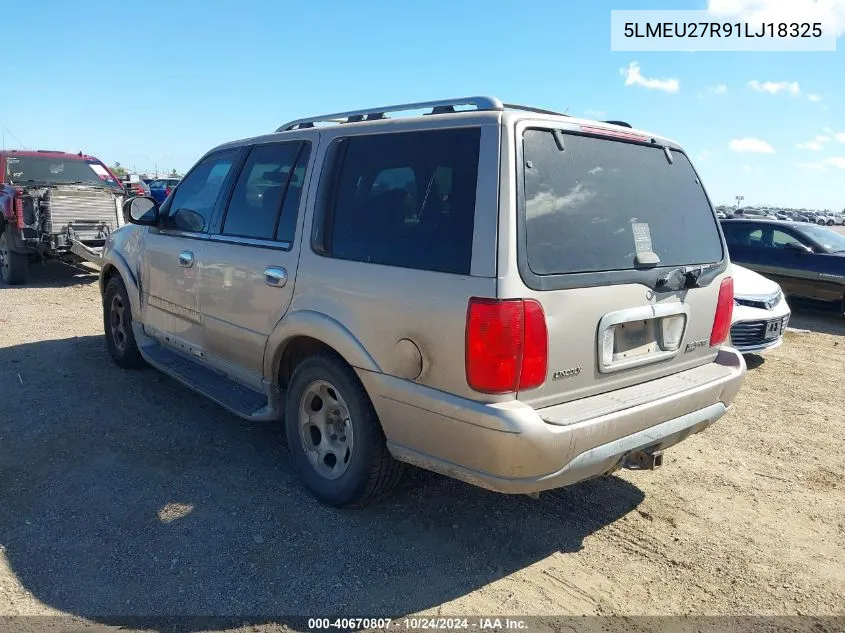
[[122, 492]]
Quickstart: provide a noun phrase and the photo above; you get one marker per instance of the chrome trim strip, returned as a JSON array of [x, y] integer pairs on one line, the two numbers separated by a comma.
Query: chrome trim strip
[[189, 234], [640, 313], [248, 241]]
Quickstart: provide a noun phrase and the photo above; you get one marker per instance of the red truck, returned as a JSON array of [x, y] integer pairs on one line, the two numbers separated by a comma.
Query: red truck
[[54, 205]]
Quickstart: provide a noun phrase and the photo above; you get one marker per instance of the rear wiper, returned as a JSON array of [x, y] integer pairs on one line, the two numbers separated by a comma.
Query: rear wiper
[[685, 277]]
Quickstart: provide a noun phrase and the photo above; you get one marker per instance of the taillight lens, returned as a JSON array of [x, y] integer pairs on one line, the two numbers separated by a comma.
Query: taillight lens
[[724, 313], [535, 354], [506, 345]]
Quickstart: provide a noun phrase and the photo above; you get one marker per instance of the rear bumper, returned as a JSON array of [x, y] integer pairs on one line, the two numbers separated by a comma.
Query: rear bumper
[[512, 448]]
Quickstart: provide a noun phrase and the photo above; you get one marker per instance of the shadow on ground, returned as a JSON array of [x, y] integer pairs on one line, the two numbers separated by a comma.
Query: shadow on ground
[[125, 494], [55, 274], [816, 319], [753, 361]]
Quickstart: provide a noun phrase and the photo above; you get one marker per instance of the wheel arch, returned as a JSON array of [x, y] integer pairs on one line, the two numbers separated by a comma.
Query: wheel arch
[[304, 332], [115, 265]]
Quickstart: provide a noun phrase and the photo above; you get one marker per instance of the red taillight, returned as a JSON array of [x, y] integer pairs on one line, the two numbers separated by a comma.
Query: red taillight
[[724, 313], [167, 191], [535, 354], [506, 345]]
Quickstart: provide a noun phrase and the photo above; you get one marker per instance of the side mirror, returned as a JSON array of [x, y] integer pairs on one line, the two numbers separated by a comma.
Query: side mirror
[[141, 210]]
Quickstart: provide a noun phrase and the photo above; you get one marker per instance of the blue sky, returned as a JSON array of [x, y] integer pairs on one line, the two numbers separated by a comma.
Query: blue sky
[[164, 82]]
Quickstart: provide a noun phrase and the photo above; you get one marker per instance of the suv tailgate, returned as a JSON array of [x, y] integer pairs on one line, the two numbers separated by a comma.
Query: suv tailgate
[[600, 221]]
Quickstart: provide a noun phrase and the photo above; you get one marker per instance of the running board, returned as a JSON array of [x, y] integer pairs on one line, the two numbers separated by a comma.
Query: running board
[[95, 256], [237, 398]]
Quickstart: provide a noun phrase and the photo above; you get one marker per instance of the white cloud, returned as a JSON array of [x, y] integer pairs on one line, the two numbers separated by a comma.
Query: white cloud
[[831, 13], [596, 114], [816, 145], [837, 162], [774, 87], [828, 130], [840, 137], [704, 155], [719, 89], [750, 145], [633, 77], [814, 98]]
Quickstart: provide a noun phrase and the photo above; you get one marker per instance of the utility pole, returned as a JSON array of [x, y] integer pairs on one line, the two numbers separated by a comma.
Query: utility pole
[[738, 200]]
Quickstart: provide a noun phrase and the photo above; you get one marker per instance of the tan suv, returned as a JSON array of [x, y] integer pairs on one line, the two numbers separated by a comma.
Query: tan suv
[[510, 296]]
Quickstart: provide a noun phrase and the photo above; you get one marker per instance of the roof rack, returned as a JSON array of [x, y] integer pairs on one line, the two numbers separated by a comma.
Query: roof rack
[[373, 114], [513, 106]]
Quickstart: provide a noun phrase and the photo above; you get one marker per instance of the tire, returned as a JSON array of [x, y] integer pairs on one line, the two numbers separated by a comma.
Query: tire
[[117, 324], [327, 413], [13, 266]]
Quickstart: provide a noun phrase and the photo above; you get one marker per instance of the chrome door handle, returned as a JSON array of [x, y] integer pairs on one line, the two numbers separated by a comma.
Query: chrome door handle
[[186, 259], [275, 276]]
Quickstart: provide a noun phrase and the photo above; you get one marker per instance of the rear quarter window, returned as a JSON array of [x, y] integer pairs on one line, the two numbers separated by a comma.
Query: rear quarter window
[[598, 202], [406, 200]]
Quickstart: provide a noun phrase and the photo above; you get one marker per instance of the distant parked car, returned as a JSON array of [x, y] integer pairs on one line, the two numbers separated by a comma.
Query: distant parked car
[[808, 261], [161, 188], [823, 218], [797, 216], [761, 214], [136, 188], [760, 312]]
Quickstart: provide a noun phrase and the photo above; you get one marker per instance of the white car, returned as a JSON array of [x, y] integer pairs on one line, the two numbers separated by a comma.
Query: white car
[[760, 313], [825, 219]]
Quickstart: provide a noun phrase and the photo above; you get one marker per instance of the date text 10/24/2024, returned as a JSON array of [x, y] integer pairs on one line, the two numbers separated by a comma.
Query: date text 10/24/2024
[[417, 624]]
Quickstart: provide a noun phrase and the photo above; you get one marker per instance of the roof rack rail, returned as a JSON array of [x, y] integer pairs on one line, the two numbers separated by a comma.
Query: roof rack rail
[[374, 114], [514, 106], [619, 123]]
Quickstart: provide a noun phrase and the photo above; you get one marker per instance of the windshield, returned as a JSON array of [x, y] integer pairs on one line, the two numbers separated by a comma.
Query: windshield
[[598, 203], [58, 170], [828, 239]]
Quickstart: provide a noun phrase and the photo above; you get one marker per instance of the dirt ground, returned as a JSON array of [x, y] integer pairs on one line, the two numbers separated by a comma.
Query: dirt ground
[[123, 493]]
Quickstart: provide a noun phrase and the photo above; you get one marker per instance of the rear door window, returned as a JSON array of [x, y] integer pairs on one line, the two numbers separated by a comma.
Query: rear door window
[[595, 204]]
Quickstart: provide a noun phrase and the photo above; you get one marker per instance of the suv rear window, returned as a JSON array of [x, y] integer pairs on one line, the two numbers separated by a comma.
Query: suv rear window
[[596, 204], [406, 200]]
